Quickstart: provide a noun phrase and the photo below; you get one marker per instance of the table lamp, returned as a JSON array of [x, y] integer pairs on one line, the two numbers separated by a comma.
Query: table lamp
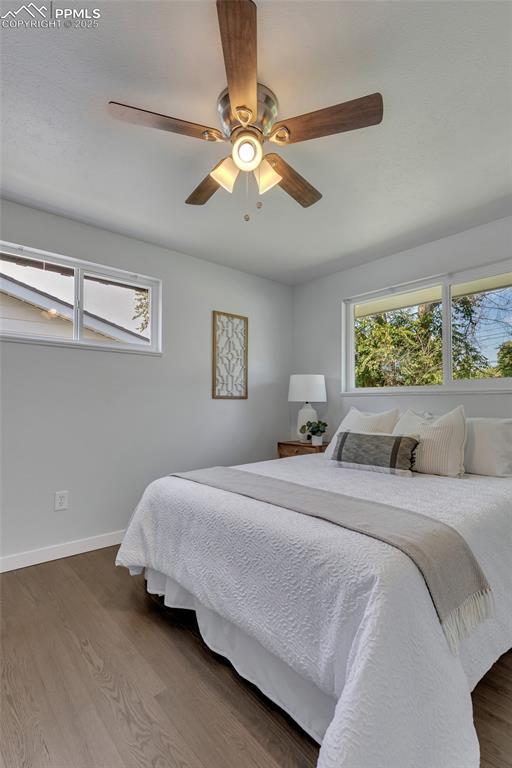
[[306, 388]]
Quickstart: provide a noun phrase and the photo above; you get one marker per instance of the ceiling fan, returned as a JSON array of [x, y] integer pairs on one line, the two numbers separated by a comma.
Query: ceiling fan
[[248, 115]]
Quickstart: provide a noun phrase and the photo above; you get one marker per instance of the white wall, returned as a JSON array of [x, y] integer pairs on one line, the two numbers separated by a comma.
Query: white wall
[[101, 424], [317, 329]]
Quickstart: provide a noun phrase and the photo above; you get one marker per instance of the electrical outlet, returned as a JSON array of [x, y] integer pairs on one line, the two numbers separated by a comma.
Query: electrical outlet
[[60, 501]]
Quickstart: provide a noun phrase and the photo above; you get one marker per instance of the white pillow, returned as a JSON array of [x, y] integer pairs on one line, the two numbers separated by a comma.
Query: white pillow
[[360, 421], [489, 447], [441, 448]]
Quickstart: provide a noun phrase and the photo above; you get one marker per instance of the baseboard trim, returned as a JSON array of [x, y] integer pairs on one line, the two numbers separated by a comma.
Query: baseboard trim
[[55, 552]]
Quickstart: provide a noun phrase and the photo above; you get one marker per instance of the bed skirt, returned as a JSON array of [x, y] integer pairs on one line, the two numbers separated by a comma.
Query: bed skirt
[[310, 707]]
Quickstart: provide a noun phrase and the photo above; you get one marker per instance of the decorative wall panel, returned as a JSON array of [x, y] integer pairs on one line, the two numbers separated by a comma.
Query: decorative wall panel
[[230, 353]]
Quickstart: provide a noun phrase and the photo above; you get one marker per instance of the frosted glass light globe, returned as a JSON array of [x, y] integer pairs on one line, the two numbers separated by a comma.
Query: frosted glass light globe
[[247, 151]]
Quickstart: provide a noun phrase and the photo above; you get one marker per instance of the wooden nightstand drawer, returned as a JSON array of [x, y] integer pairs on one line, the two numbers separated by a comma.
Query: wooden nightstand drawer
[[289, 448]]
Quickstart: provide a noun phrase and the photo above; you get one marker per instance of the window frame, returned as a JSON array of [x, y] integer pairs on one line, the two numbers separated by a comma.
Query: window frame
[[449, 385], [81, 267]]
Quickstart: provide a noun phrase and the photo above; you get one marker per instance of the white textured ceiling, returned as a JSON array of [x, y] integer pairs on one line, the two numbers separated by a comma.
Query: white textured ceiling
[[441, 161]]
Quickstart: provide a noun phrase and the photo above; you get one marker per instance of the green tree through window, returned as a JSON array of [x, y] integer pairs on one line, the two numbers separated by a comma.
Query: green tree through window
[[400, 347], [397, 345]]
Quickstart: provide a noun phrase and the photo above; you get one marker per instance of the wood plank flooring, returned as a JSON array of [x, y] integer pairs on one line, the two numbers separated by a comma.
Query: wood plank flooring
[[95, 674]]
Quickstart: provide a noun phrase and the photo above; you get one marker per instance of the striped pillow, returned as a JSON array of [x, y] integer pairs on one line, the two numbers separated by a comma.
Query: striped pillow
[[441, 448], [393, 454], [360, 421]]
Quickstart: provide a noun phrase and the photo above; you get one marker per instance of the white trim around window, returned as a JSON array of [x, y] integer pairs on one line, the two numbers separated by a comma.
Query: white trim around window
[[449, 385], [126, 340]]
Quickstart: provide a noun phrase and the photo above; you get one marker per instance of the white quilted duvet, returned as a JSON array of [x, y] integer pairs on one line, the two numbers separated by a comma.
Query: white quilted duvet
[[346, 611]]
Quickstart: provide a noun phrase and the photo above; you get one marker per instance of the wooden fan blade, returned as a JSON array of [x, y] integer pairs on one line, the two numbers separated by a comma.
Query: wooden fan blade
[[358, 113], [163, 122], [237, 23], [293, 183], [203, 191]]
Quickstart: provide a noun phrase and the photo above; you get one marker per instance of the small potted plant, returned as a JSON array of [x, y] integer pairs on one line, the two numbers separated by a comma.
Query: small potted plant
[[315, 431]]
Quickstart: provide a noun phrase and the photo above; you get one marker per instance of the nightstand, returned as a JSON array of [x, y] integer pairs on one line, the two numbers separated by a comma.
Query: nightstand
[[288, 448]]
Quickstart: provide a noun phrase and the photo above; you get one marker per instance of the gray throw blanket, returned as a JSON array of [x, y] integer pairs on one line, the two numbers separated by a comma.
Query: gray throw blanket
[[459, 590]]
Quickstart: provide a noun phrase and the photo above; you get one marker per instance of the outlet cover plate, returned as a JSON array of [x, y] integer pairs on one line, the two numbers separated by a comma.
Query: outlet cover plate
[[60, 501]]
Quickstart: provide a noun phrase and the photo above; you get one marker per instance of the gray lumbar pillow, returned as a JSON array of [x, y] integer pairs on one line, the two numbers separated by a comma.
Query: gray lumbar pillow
[[393, 454]]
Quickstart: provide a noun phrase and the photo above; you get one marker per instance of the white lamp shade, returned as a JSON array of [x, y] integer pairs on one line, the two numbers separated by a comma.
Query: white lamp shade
[[225, 173], [307, 388], [266, 177]]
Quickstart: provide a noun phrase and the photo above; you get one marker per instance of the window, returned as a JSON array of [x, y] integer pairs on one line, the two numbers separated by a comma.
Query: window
[[444, 333], [482, 328], [120, 310], [399, 340], [36, 297], [54, 299]]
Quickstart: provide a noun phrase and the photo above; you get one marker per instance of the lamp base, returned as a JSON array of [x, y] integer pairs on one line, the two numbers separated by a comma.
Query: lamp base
[[306, 413]]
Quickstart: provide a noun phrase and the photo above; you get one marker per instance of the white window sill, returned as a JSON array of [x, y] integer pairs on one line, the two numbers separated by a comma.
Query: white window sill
[[503, 388], [69, 344]]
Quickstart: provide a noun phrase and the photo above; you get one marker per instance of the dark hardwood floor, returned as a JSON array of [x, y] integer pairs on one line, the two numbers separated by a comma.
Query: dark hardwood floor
[[97, 675]]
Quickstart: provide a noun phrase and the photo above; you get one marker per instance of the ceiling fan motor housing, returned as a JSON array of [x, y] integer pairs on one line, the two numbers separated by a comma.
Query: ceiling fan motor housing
[[264, 121]]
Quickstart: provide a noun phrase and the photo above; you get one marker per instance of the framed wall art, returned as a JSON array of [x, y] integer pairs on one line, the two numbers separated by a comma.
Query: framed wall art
[[230, 341]]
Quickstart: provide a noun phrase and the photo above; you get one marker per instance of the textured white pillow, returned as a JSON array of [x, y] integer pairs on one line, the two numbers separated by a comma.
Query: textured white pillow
[[360, 421], [489, 447], [441, 448]]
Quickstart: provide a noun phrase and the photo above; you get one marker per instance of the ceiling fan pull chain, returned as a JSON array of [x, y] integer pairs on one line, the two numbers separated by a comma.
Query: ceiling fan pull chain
[[259, 204], [246, 215]]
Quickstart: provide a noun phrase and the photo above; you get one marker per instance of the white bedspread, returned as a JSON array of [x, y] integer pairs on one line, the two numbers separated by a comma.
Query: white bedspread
[[345, 611]]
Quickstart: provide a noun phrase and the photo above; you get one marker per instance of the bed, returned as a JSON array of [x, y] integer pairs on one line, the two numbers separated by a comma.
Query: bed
[[335, 627]]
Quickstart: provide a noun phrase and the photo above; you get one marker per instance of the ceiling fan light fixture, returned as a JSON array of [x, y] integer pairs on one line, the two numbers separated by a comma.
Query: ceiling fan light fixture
[[225, 174], [266, 177], [247, 151]]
